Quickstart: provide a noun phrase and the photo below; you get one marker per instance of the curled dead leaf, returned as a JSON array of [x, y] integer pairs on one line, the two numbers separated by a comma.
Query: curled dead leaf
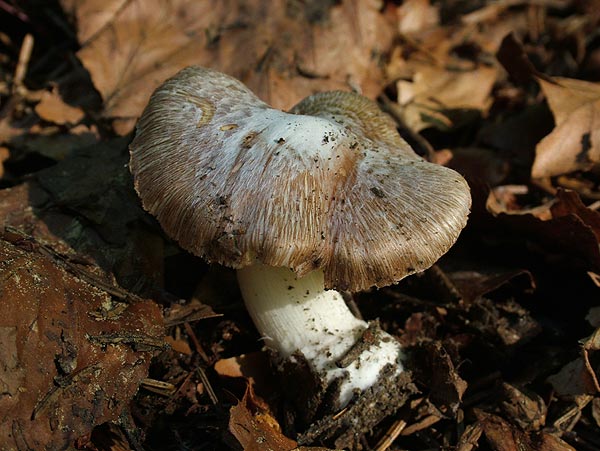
[[255, 428], [574, 144]]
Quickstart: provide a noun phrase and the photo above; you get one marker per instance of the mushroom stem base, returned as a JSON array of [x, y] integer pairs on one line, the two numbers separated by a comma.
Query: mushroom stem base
[[342, 429], [311, 327]]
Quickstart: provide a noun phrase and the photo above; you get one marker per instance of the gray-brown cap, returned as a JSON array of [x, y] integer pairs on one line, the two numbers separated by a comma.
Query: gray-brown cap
[[329, 185]]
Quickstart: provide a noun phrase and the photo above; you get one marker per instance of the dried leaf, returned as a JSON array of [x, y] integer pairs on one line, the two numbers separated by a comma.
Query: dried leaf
[[60, 362], [569, 203], [580, 376], [81, 210], [472, 285], [571, 230], [573, 379], [501, 435], [92, 16], [254, 367], [4, 155], [513, 58], [180, 345], [417, 15], [436, 367], [246, 365], [253, 427], [574, 144], [527, 410], [470, 438], [282, 50], [596, 410], [52, 108], [435, 90]]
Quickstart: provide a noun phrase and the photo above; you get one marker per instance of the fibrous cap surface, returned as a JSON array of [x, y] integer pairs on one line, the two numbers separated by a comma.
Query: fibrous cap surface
[[329, 185]]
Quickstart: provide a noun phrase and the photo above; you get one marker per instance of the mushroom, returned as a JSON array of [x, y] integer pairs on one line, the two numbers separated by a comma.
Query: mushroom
[[327, 196]]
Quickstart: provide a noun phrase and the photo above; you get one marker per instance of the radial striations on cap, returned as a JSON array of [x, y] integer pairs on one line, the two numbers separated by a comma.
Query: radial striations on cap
[[329, 185]]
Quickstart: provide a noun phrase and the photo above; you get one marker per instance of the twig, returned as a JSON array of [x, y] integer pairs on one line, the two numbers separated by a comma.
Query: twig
[[338, 415], [10, 9], [209, 389], [391, 435], [594, 205], [197, 345], [422, 424], [23, 63], [158, 387], [56, 389], [139, 341]]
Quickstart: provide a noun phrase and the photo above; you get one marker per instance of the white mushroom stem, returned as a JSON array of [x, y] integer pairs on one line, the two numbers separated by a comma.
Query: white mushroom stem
[[299, 315]]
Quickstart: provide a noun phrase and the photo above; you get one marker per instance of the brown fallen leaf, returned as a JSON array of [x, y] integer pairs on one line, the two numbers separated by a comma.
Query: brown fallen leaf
[[52, 108], [473, 284], [513, 58], [574, 144], [437, 368], [528, 410], [82, 211], [434, 90], [4, 155], [569, 203], [442, 70], [179, 345], [580, 377], [282, 50], [470, 438], [565, 226], [92, 16], [417, 15], [254, 427], [65, 369], [254, 367]]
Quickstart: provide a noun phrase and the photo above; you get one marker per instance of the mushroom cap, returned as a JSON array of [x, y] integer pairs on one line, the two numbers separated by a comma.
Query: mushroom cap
[[328, 185]]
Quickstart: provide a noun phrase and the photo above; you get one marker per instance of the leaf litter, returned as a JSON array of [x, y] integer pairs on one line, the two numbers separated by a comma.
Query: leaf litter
[[501, 335]]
